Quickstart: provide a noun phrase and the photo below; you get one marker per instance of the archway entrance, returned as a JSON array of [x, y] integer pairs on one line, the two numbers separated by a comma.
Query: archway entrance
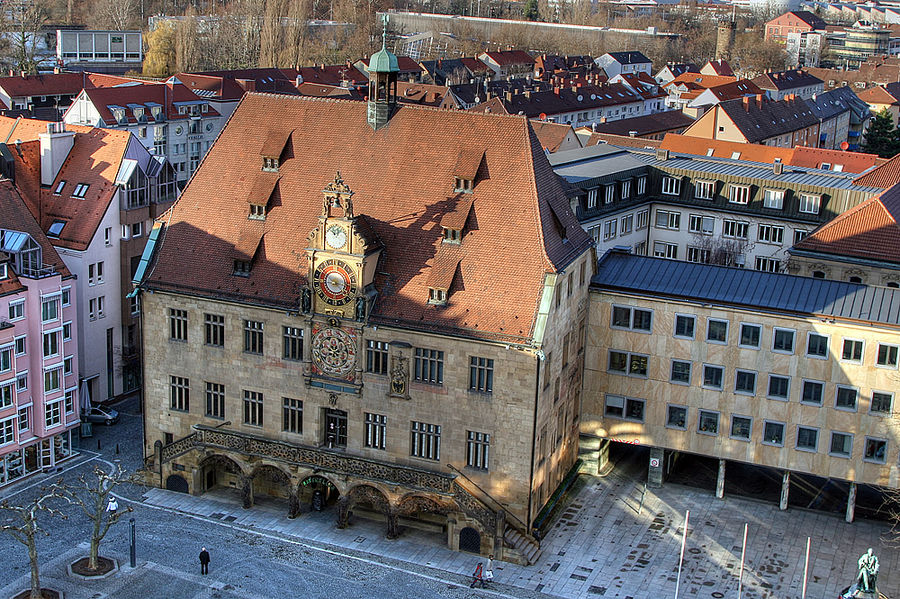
[[422, 513], [316, 494], [176, 483], [469, 540], [271, 485], [223, 475]]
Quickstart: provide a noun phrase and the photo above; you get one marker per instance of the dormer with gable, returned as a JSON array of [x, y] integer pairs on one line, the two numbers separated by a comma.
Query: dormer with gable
[[467, 169]]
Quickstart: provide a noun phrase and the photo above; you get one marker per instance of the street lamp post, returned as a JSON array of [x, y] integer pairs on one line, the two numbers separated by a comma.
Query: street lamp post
[[133, 546]]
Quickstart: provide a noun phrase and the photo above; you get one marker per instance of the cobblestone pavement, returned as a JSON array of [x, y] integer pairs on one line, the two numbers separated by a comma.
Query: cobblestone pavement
[[600, 546]]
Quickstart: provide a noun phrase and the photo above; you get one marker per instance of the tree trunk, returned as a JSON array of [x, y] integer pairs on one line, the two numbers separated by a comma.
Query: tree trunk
[[33, 558]]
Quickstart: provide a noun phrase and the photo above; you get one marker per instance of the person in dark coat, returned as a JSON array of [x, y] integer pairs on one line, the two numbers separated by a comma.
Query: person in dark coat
[[204, 561], [478, 576]]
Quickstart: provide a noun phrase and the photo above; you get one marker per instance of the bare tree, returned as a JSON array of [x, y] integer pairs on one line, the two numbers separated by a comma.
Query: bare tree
[[117, 15], [23, 526], [92, 494], [24, 25], [719, 251]]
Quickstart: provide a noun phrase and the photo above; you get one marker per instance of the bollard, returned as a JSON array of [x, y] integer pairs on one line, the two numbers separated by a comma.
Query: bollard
[[133, 552], [117, 449], [98, 444]]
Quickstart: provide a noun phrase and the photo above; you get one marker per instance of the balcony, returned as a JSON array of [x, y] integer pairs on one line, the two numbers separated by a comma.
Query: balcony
[[35, 272]]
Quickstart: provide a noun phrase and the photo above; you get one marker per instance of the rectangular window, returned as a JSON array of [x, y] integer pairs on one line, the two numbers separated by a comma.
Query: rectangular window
[[627, 224], [425, 440], [66, 296], [20, 345], [643, 219], [745, 382], [817, 345], [841, 444], [846, 397], [882, 402], [852, 350], [766, 264], [809, 203], [7, 431], [292, 338], [783, 341], [779, 387], [702, 225], [17, 310], [770, 234], [429, 366], [628, 363], [812, 392], [875, 450], [735, 229], [887, 355], [179, 393], [670, 186], [481, 374], [292, 415], [708, 423], [741, 427], [253, 408], [717, 331], [609, 193], [609, 229], [22, 381], [214, 327], [625, 189], [698, 255], [773, 433], [641, 186], [376, 356], [51, 344], [681, 372], [676, 417], [49, 309], [215, 400], [253, 337], [713, 376], [24, 422], [592, 199], [799, 235], [67, 365], [624, 317], [376, 429], [67, 331], [52, 380], [684, 326], [178, 330], [704, 190], [773, 199], [738, 194], [807, 438], [478, 447], [53, 414], [7, 394], [750, 334], [662, 249], [668, 220]]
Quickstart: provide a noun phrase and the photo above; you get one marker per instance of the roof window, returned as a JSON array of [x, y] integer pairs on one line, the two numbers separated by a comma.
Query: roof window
[[241, 268], [59, 187], [56, 228], [437, 296], [270, 164], [257, 212], [464, 185], [80, 190]]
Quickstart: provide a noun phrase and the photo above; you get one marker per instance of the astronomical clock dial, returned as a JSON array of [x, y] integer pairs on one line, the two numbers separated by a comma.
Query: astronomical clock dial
[[334, 351], [335, 282], [336, 237]]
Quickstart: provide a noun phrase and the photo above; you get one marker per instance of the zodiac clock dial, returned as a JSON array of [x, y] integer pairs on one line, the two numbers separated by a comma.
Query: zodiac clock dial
[[334, 351], [335, 282]]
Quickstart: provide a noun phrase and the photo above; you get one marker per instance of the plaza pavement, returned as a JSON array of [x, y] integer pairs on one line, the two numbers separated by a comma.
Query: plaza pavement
[[602, 547]]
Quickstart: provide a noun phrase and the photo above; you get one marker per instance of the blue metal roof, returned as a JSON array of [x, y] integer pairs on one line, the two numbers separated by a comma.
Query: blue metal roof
[[751, 288]]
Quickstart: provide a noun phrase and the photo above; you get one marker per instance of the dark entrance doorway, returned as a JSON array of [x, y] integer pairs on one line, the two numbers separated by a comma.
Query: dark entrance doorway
[[335, 428], [469, 540], [176, 483]]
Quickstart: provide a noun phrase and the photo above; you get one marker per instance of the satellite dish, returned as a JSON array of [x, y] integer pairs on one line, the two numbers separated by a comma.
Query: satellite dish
[[543, 116], [580, 97], [477, 100], [845, 146], [593, 96]]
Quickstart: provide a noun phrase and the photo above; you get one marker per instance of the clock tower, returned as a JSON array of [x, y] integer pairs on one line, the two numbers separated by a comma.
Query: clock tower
[[342, 254]]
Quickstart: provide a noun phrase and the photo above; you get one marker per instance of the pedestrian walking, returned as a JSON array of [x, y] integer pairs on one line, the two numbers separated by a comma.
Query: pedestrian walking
[[204, 561], [112, 506], [477, 576], [489, 569]]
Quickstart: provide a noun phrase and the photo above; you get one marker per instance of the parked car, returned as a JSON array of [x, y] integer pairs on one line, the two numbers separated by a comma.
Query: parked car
[[103, 415]]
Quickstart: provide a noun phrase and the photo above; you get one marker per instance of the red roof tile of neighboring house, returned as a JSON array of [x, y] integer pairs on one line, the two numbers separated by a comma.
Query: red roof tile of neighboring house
[[403, 183], [719, 67], [622, 140], [885, 175], [509, 57], [474, 65], [551, 135], [870, 231], [881, 94], [163, 94], [783, 80], [851, 162], [404, 63], [421, 93], [735, 89]]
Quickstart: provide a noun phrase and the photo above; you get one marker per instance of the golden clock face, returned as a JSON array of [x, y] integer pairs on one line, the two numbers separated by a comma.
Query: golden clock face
[[335, 282]]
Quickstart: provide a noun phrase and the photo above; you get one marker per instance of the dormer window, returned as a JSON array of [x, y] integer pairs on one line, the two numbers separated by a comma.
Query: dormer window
[[452, 235], [242, 268], [56, 228], [204, 107], [119, 115], [138, 112], [464, 185], [80, 190], [437, 296], [257, 212], [270, 164], [182, 110], [157, 113], [59, 188]]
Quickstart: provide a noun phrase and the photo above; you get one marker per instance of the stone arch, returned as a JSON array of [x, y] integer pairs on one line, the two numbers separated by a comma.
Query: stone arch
[[365, 495], [268, 479], [218, 468], [176, 482], [317, 481], [430, 512], [470, 540]]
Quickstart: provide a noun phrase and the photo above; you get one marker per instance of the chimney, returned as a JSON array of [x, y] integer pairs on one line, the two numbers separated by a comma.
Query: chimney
[[55, 146], [299, 80], [509, 96], [778, 166], [632, 134], [746, 100], [759, 100], [662, 155], [556, 90]]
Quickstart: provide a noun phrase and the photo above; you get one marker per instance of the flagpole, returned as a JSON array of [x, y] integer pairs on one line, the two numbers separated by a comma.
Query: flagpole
[[743, 553], [687, 516]]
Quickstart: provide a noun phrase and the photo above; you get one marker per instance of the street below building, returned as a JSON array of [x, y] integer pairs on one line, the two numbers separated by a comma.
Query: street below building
[[603, 544]]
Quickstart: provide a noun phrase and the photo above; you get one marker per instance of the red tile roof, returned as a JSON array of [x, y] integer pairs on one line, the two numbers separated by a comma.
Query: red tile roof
[[402, 176], [164, 94], [551, 135], [509, 57], [625, 141], [869, 231], [719, 67], [885, 175]]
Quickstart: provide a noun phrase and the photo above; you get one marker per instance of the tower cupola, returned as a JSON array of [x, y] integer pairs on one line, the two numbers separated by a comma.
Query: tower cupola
[[383, 69]]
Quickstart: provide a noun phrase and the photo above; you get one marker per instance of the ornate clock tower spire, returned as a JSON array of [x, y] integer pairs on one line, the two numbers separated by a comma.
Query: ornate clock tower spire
[[383, 69]]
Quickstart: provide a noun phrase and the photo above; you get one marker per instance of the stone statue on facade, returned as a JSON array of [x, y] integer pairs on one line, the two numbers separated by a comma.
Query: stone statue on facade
[[399, 376], [305, 300], [360, 308]]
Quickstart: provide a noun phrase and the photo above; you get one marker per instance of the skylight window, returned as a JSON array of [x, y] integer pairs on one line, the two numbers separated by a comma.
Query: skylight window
[[59, 188], [56, 228], [80, 190]]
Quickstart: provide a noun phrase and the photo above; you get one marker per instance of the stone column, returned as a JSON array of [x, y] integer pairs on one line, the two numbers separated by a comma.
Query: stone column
[[499, 531], [655, 472], [197, 482], [246, 483], [603, 456], [294, 502], [343, 505], [720, 481], [851, 503], [393, 524], [785, 489]]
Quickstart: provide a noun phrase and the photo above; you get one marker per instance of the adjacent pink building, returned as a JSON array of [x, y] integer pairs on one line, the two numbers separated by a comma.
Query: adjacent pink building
[[38, 343]]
